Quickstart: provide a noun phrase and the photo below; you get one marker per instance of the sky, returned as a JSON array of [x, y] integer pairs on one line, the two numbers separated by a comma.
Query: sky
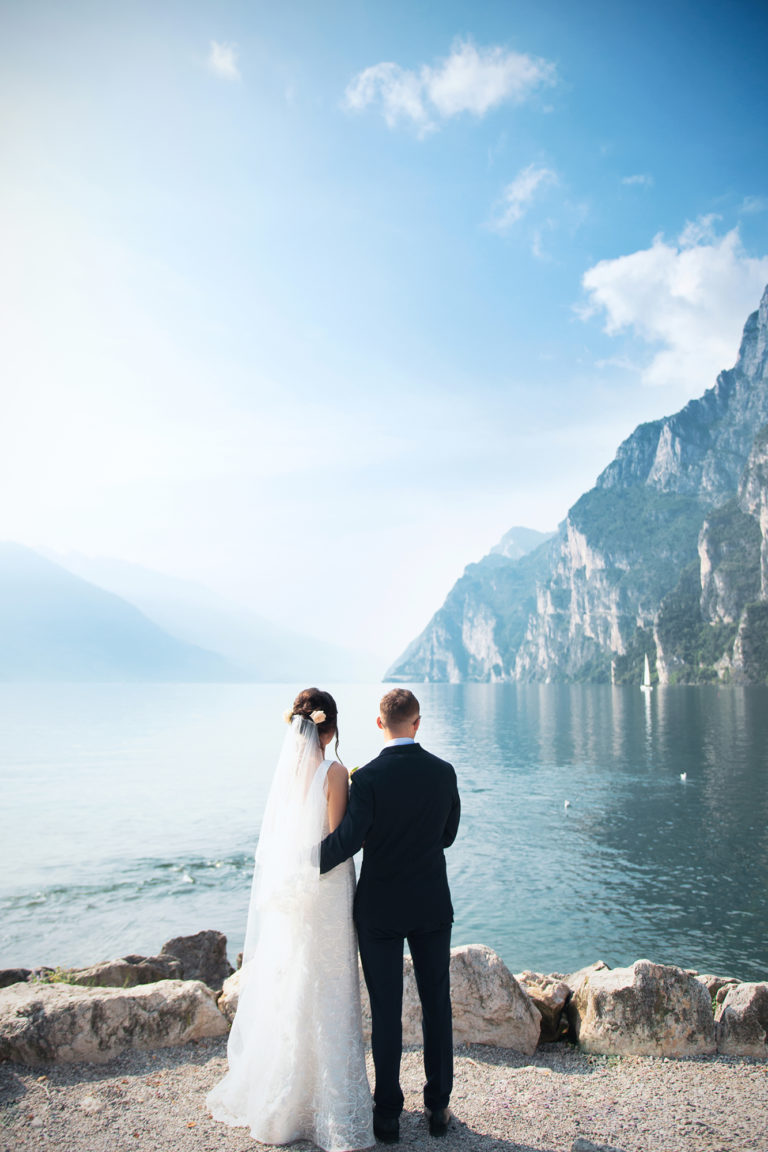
[[311, 302]]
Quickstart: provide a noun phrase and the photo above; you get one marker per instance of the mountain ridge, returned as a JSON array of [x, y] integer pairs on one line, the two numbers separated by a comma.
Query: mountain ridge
[[604, 588], [57, 626], [266, 652]]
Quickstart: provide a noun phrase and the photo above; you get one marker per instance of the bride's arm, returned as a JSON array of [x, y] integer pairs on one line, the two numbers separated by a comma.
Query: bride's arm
[[338, 794], [354, 828]]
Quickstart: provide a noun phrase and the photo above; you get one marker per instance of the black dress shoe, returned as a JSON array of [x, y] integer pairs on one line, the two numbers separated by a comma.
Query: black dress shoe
[[386, 1129], [438, 1121]]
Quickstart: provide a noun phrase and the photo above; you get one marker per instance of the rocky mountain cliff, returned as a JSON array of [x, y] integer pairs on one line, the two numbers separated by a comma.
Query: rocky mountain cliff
[[667, 555]]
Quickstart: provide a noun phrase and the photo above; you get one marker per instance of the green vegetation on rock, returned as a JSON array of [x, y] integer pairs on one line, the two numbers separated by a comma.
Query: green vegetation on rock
[[755, 642], [692, 646]]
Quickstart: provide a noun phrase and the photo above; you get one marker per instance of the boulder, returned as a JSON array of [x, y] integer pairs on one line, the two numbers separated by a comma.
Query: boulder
[[126, 972], [202, 957], [10, 976], [715, 984], [645, 1010], [41, 1023], [574, 980], [489, 1006], [550, 995], [724, 989], [742, 1022]]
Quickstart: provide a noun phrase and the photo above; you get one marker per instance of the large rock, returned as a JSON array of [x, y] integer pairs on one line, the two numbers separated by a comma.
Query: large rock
[[646, 1010], [574, 980], [742, 1022], [550, 995], [202, 957], [41, 1023], [489, 1006], [717, 986], [126, 972], [10, 976]]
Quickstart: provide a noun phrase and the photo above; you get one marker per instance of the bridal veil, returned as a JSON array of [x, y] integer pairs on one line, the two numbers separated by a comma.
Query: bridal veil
[[295, 1052]]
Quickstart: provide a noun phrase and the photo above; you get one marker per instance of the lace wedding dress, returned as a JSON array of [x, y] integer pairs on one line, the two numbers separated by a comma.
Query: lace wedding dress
[[296, 1054]]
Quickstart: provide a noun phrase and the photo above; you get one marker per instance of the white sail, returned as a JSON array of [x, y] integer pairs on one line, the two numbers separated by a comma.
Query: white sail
[[646, 684]]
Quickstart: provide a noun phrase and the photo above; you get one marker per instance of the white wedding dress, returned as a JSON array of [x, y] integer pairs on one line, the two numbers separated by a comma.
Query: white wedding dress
[[296, 1054]]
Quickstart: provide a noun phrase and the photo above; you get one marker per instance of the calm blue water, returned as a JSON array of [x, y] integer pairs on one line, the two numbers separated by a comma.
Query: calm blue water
[[130, 814]]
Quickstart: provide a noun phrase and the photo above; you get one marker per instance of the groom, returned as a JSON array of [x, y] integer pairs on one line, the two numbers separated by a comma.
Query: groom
[[403, 810]]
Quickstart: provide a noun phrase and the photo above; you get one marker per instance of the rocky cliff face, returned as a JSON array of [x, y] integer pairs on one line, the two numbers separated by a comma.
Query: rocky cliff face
[[753, 500], [667, 554], [714, 625]]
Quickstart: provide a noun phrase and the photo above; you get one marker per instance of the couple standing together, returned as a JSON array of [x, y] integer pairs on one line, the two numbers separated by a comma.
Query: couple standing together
[[296, 1053]]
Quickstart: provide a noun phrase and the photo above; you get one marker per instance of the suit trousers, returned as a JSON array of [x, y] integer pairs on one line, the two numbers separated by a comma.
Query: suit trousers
[[381, 953]]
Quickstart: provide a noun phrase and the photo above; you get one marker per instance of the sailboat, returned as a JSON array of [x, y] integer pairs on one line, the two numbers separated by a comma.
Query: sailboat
[[646, 685]]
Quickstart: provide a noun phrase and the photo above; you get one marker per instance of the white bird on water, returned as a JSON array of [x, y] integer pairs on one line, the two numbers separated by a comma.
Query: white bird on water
[[567, 804], [683, 776]]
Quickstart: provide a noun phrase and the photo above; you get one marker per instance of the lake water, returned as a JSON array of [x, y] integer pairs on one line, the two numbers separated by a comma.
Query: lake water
[[130, 814]]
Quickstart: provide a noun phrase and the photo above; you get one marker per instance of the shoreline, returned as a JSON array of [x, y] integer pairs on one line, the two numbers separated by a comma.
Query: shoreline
[[190, 992], [154, 1101]]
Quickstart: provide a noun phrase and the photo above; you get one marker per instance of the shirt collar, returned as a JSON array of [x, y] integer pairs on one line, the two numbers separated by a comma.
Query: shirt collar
[[398, 740]]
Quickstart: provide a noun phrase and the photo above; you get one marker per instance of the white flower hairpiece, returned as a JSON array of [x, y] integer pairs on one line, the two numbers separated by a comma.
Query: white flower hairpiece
[[317, 717]]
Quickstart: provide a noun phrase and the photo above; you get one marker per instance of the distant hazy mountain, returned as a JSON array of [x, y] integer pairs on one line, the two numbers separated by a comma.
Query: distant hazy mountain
[[56, 626], [198, 616], [518, 542], [667, 556]]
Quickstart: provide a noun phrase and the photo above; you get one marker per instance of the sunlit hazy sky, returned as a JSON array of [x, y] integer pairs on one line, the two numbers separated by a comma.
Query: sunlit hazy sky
[[312, 301]]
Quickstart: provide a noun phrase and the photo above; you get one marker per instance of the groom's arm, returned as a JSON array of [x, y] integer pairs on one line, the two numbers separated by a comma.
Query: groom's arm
[[452, 823], [349, 836]]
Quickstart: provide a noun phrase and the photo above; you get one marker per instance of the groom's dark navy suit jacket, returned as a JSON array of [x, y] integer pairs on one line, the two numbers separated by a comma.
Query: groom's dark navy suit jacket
[[404, 807]]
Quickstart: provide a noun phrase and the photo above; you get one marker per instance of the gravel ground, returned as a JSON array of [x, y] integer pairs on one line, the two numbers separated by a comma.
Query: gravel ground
[[555, 1101]]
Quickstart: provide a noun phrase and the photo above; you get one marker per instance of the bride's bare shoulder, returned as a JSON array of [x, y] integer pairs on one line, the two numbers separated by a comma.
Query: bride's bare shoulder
[[337, 773]]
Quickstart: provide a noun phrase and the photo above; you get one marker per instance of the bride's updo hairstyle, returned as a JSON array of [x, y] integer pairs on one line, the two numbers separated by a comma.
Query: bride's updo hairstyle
[[315, 700]]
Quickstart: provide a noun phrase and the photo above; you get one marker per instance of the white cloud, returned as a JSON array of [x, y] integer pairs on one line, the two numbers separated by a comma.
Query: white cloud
[[753, 204], [538, 248], [701, 231], [518, 195], [222, 60], [471, 79], [400, 93], [641, 179], [689, 299]]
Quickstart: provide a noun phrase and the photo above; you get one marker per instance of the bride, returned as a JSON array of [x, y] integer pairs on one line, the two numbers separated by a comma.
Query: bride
[[295, 1052]]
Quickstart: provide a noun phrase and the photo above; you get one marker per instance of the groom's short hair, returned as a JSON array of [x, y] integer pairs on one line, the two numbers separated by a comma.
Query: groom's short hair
[[398, 707]]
